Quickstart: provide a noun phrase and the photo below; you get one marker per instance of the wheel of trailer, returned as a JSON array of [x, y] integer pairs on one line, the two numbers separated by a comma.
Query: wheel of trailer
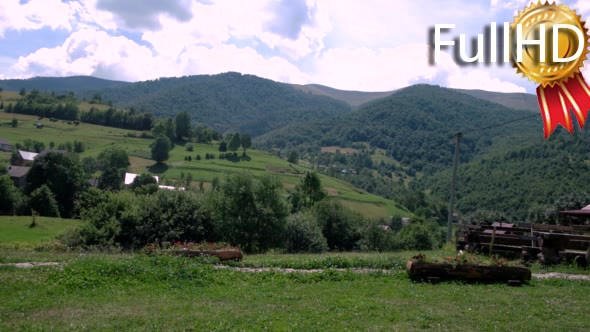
[[581, 261]]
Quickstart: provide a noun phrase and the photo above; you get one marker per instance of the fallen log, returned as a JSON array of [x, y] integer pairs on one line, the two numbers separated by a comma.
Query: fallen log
[[223, 255], [420, 270]]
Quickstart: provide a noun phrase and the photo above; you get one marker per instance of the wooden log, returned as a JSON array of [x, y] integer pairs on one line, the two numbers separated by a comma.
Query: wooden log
[[420, 270], [223, 255]]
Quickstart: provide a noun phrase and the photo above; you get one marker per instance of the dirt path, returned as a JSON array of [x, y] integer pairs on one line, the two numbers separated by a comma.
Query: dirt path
[[551, 275]]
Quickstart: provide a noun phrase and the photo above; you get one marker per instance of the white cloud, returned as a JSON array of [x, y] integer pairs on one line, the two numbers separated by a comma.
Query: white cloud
[[389, 69], [92, 52], [34, 15], [203, 60]]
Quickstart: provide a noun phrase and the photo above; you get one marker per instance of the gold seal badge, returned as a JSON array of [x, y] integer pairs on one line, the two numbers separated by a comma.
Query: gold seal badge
[[549, 73]]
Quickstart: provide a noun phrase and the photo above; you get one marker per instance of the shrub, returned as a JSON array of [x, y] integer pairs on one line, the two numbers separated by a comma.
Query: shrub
[[303, 234], [421, 235], [43, 201], [340, 225], [189, 147]]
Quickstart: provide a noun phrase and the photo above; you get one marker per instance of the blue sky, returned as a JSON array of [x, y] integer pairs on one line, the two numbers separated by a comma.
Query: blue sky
[[370, 45]]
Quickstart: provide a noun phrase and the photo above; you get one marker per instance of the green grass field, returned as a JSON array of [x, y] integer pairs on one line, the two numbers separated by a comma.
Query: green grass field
[[98, 138], [136, 292], [17, 230]]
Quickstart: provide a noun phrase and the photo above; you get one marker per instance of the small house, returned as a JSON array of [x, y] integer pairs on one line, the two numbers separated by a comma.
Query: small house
[[130, 177], [5, 145], [18, 174], [24, 158]]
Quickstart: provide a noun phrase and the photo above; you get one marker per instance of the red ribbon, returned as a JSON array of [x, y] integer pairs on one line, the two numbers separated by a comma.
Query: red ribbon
[[557, 101]]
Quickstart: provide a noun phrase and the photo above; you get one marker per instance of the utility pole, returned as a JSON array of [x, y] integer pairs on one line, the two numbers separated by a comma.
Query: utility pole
[[458, 136]]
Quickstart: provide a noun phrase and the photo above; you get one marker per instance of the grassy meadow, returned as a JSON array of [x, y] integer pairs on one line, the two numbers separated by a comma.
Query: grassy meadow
[[97, 138], [18, 231], [99, 291], [137, 292]]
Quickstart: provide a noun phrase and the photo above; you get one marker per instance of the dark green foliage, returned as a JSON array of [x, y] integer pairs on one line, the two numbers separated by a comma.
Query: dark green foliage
[[119, 118], [251, 212], [111, 179], [222, 146], [307, 192], [234, 142], [183, 125], [161, 148], [78, 147], [375, 237], [42, 201], [293, 157], [225, 102], [246, 142], [10, 197], [14, 123], [421, 235], [189, 147], [22, 92], [63, 175], [30, 145], [142, 180], [339, 224], [303, 234], [165, 127], [113, 157]]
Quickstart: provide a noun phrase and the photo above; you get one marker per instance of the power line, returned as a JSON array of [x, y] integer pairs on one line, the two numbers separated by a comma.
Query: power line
[[500, 124]]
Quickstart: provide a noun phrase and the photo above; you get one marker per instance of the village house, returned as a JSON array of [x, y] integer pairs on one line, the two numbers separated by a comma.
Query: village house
[[5, 145], [130, 177], [18, 174], [24, 158]]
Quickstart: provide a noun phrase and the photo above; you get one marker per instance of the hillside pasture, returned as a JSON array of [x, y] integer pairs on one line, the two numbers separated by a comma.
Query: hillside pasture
[[98, 138]]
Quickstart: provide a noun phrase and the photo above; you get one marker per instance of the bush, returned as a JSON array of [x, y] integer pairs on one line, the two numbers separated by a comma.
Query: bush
[[11, 198], [43, 201], [374, 237], [421, 235], [303, 234], [339, 224], [251, 212], [189, 147]]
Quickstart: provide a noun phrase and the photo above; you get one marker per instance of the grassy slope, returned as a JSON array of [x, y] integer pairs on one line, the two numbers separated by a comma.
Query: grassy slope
[[98, 138], [159, 293], [16, 230]]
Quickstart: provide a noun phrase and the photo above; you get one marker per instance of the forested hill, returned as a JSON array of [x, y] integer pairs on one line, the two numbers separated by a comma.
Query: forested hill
[[76, 84], [226, 102], [406, 139], [412, 126]]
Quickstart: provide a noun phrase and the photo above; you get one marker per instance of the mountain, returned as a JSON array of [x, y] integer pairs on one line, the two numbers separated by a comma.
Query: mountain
[[76, 84], [226, 102], [409, 124], [405, 141], [519, 101], [354, 98]]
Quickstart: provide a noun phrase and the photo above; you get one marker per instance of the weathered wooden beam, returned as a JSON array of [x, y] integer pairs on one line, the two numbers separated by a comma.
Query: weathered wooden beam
[[420, 270]]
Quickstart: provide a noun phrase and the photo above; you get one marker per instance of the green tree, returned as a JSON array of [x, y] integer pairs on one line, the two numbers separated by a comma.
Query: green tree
[[251, 212], [114, 157], [340, 225], [111, 179], [222, 146], [143, 179], [14, 123], [303, 234], [10, 196], [293, 157], [64, 176], [183, 125], [160, 149], [234, 142], [22, 92], [165, 127], [246, 142], [307, 192], [43, 202]]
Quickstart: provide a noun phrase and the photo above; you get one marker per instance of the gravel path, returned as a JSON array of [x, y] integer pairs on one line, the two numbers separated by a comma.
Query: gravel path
[[551, 275]]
